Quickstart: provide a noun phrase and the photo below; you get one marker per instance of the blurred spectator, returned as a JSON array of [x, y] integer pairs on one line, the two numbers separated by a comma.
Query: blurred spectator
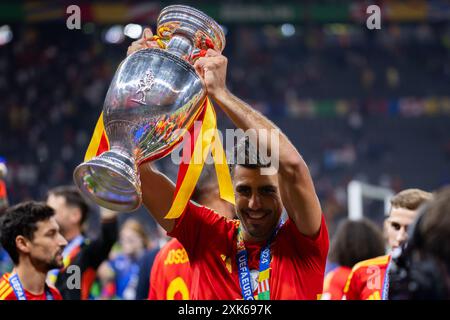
[[6, 263], [120, 275], [71, 212], [354, 241], [3, 191]]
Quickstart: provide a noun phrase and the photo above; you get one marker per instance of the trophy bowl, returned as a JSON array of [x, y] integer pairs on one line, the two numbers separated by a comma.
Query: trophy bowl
[[154, 97]]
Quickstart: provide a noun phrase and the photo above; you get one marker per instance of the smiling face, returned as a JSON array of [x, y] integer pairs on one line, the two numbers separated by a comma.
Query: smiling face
[[258, 202], [45, 250]]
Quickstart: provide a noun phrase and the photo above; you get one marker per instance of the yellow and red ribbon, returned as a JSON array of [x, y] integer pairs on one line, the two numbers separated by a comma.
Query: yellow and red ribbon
[[203, 141], [99, 141]]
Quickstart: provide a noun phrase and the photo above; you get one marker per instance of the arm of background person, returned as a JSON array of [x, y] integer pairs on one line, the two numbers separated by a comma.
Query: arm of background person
[[98, 249]]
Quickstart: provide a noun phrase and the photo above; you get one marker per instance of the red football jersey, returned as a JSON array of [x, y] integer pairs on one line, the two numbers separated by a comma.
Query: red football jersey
[[334, 283], [367, 279], [171, 273], [7, 292], [297, 265]]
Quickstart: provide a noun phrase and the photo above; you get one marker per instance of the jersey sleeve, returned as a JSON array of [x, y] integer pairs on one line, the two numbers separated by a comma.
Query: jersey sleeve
[[200, 227], [313, 249]]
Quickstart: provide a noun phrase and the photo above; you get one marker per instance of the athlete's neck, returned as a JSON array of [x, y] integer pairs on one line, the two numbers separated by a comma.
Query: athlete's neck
[[32, 279], [248, 237], [71, 234]]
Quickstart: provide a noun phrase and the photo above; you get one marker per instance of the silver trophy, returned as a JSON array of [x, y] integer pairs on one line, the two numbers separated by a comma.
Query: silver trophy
[[154, 97]]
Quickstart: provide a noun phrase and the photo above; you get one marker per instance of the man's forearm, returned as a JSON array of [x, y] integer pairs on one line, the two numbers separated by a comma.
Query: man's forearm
[[296, 186], [245, 118], [157, 194]]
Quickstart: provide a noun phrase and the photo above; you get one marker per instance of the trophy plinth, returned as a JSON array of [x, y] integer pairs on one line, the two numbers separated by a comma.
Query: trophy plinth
[[110, 180], [154, 97]]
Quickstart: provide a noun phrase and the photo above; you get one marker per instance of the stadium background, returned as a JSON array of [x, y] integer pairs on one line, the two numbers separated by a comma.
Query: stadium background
[[370, 105]]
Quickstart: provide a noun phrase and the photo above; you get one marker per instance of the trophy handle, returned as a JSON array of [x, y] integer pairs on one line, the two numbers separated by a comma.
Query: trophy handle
[[111, 180]]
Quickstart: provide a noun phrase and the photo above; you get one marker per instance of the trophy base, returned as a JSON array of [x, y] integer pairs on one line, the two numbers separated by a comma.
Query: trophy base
[[111, 180]]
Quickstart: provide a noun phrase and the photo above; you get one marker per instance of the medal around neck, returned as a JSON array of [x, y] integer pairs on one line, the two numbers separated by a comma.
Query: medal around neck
[[154, 97]]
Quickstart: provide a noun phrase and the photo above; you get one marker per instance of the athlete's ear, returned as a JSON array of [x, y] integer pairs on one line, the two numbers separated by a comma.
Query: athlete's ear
[[23, 244]]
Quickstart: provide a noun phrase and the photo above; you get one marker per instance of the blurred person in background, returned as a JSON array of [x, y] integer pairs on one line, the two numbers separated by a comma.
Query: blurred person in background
[[368, 280], [422, 270], [31, 235], [71, 212], [171, 272], [120, 274], [3, 192], [354, 241], [6, 263]]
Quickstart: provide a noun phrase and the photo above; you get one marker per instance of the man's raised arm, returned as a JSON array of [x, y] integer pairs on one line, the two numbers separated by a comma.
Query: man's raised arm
[[296, 186], [157, 194]]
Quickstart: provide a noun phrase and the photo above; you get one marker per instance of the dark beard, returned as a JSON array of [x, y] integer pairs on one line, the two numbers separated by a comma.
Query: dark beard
[[55, 265], [44, 266]]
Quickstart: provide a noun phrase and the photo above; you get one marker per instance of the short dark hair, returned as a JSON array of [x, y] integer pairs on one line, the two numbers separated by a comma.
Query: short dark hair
[[73, 199], [248, 155], [21, 219], [355, 241]]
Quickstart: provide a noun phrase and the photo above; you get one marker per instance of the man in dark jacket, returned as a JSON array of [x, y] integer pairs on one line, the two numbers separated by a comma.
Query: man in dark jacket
[[71, 212]]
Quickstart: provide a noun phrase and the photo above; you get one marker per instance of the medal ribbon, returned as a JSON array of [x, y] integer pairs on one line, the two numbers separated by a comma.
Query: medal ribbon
[[264, 268], [385, 293], [17, 287]]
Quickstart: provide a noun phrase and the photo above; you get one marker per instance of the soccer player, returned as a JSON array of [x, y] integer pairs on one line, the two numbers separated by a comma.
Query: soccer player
[[422, 271], [369, 279], [71, 212], [31, 236], [354, 241], [267, 259], [171, 272]]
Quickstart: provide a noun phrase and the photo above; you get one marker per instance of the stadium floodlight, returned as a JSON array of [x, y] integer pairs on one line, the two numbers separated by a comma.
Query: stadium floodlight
[[287, 30], [6, 35], [114, 34], [357, 191], [133, 30]]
